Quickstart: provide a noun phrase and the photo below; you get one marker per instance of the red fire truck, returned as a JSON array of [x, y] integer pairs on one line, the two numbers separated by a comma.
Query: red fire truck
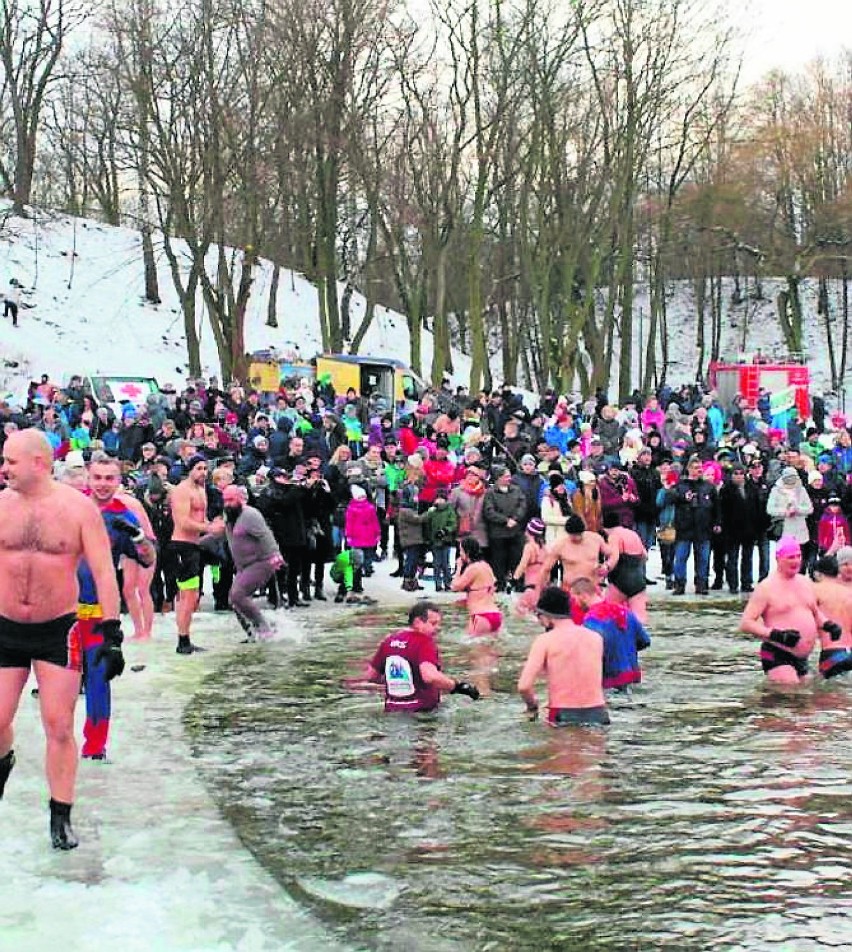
[[747, 378]]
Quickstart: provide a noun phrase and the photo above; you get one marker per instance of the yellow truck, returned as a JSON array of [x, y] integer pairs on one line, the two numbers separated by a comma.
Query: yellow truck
[[392, 379]]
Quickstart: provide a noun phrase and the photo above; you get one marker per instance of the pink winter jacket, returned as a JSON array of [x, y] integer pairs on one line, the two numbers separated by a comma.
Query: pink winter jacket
[[362, 524]]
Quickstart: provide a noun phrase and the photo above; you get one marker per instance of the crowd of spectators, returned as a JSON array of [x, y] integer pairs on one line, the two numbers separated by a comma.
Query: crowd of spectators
[[344, 481]]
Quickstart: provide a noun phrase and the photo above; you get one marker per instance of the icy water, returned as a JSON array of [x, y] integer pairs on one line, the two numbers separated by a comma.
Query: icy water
[[711, 814]]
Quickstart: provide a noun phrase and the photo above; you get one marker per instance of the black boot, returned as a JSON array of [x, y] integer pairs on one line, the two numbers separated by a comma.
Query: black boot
[[318, 593], [185, 646], [701, 588], [6, 765], [61, 835], [678, 588]]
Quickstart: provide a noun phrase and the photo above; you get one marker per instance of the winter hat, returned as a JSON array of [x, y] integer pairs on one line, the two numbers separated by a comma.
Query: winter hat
[[527, 458], [231, 419], [749, 450], [128, 410], [358, 493], [556, 479], [74, 460], [554, 602], [535, 527], [259, 441], [498, 471], [586, 476], [574, 524], [832, 500], [788, 474], [194, 460], [844, 555], [814, 476]]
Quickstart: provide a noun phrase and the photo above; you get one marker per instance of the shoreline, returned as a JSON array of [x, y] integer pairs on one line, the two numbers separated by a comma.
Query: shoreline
[[158, 865]]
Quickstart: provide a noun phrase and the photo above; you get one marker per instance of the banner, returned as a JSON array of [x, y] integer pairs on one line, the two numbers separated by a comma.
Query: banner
[[782, 401]]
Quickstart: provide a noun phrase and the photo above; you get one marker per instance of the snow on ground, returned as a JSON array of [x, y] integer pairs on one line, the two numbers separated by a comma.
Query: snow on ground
[[83, 283]]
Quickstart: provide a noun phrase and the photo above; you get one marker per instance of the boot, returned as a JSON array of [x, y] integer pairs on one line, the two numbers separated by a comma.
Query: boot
[[61, 835], [701, 588], [6, 765], [306, 593], [397, 573], [678, 588], [669, 583], [318, 593], [718, 585]]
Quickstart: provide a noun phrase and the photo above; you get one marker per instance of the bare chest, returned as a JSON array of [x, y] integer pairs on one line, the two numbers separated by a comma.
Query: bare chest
[[24, 529]]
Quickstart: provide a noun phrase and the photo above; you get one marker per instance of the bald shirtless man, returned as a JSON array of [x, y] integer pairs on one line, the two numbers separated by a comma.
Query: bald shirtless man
[[784, 613], [188, 502], [834, 597], [579, 552], [45, 528]]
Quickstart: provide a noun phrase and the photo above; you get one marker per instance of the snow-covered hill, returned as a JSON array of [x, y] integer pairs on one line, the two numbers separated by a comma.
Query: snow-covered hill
[[84, 312], [83, 309]]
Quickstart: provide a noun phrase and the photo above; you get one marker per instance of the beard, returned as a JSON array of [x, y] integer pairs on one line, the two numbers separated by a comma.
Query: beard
[[232, 513]]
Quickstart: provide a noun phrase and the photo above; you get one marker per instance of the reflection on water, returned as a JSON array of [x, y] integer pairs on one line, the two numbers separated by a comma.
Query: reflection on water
[[711, 814]]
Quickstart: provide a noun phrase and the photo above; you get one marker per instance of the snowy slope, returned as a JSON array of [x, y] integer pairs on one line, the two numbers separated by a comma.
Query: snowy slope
[[93, 319], [87, 314]]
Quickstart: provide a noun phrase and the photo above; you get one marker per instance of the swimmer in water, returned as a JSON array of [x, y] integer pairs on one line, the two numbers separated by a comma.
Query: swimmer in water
[[528, 573], [474, 576], [408, 664], [625, 567], [572, 659], [579, 552], [784, 613], [834, 598]]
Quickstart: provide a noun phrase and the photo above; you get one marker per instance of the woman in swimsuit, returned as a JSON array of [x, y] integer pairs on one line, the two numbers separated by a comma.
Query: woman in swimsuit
[[528, 573], [626, 568], [474, 576]]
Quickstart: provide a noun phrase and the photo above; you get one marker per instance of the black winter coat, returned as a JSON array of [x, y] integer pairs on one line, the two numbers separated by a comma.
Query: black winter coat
[[696, 505]]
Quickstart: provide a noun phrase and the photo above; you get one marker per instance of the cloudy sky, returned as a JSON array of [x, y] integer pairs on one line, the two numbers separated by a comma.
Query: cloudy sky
[[789, 33]]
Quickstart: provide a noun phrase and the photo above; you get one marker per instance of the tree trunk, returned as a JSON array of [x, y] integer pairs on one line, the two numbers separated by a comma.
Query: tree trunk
[[272, 303]]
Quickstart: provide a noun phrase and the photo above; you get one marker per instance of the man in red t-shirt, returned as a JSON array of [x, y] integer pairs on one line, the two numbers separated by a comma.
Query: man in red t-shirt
[[408, 663]]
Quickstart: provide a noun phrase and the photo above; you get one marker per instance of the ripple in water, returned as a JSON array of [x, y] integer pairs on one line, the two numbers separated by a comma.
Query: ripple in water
[[711, 814]]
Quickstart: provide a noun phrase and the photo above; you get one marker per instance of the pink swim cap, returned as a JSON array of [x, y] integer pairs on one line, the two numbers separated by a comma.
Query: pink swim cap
[[786, 547]]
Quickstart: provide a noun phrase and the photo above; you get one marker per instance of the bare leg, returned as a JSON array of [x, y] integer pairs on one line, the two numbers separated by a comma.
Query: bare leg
[[58, 690], [785, 674], [12, 681], [184, 610], [137, 594]]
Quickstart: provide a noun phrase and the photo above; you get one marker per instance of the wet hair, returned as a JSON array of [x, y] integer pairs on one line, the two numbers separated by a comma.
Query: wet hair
[[472, 549], [610, 519], [583, 586], [421, 610], [827, 566]]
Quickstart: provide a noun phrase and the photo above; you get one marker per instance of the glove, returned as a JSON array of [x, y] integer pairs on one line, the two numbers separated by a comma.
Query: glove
[[786, 637], [833, 630], [131, 529], [465, 687], [110, 651]]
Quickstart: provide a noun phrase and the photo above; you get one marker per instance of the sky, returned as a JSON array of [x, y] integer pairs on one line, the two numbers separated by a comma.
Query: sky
[[787, 34]]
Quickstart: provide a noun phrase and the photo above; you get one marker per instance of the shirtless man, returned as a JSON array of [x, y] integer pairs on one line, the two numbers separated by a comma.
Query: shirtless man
[[834, 597], [572, 658], [579, 552], [784, 613], [45, 528], [189, 511]]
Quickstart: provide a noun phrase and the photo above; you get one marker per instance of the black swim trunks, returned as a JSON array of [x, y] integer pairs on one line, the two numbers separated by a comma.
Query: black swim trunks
[[834, 661], [577, 716], [773, 656], [186, 559], [56, 641]]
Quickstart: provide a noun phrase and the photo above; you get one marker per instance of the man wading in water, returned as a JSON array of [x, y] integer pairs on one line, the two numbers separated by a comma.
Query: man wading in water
[[785, 614], [45, 528]]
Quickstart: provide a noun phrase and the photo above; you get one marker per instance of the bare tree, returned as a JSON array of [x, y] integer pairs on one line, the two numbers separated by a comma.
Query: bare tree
[[32, 35]]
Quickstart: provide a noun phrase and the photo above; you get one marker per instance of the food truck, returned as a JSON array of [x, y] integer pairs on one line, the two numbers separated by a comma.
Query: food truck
[[387, 377]]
